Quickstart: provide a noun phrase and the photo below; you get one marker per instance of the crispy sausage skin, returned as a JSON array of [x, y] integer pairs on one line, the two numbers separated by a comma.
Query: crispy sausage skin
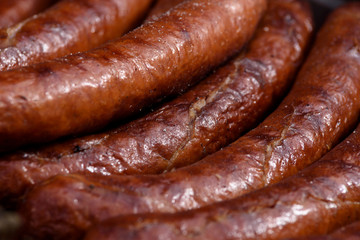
[[234, 98], [317, 200], [12, 12], [69, 26], [161, 7], [86, 91], [287, 27]]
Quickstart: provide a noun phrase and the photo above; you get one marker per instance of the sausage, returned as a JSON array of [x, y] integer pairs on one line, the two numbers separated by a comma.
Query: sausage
[[161, 7], [86, 91], [349, 232], [317, 200], [12, 12], [288, 26], [234, 98], [68, 27]]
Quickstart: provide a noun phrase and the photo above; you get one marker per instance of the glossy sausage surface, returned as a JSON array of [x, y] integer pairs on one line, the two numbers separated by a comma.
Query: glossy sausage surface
[[317, 200], [349, 232], [14, 11], [208, 117], [86, 91], [70, 26], [95, 201], [161, 6]]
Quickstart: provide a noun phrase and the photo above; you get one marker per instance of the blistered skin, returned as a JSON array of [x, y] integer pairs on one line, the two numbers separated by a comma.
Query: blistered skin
[[208, 117], [12, 12], [70, 26], [86, 91], [317, 200], [349, 232], [161, 7], [272, 55]]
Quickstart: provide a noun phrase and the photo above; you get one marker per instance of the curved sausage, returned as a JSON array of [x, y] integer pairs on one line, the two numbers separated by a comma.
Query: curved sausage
[[288, 24], [234, 99], [69, 26], [86, 91], [317, 200], [161, 7], [12, 12]]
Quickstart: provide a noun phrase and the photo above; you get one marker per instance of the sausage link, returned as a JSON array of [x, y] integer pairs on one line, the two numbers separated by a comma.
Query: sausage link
[[349, 232], [86, 91], [69, 26], [179, 133], [287, 27], [161, 7], [317, 200], [12, 12]]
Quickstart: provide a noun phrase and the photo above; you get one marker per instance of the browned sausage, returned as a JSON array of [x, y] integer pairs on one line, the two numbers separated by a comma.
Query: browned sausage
[[84, 92], [12, 12], [234, 98], [288, 26], [317, 200], [69, 26], [161, 7], [349, 232]]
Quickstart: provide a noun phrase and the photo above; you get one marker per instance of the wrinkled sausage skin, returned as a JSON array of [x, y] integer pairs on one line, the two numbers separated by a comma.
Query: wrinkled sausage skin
[[317, 200], [86, 91], [208, 117], [93, 200], [70, 26]]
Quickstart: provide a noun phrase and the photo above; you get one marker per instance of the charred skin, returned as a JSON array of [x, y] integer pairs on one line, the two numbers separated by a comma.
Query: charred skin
[[178, 133], [12, 12], [86, 91], [317, 200], [288, 24], [68, 27]]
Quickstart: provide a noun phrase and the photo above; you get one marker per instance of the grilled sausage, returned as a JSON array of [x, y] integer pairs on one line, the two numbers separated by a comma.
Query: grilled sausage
[[234, 98], [68, 27], [287, 24], [317, 200], [12, 12], [161, 7], [349, 232], [84, 92]]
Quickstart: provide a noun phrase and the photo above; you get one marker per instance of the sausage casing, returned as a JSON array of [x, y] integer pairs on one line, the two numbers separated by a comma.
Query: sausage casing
[[67, 27], [86, 91], [317, 200], [284, 35], [208, 117]]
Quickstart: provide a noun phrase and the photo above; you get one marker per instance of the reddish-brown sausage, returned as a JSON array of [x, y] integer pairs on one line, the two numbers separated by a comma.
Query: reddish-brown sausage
[[317, 200], [208, 117], [161, 7], [84, 92], [349, 232], [69, 26], [14, 11], [289, 24]]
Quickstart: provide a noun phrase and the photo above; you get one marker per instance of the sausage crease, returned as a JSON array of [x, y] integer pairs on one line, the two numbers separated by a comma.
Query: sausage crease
[[317, 200], [12, 12], [208, 117], [67, 27], [161, 7], [86, 91], [349, 232], [287, 27]]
